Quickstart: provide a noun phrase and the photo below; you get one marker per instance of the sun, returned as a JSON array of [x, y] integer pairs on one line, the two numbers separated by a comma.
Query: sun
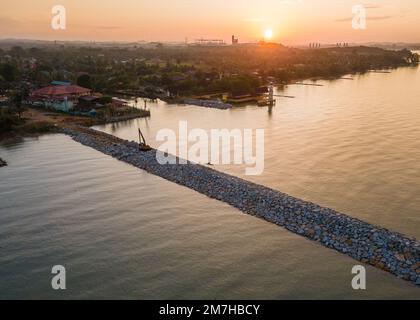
[[268, 34]]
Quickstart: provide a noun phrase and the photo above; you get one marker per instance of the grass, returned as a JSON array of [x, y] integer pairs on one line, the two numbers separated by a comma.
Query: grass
[[37, 127]]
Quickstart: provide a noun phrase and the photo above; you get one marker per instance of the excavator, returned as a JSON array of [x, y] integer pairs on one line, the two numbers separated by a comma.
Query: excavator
[[143, 146]]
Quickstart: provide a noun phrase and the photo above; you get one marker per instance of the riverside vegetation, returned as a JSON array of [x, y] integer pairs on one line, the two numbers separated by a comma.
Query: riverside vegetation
[[169, 71], [179, 70]]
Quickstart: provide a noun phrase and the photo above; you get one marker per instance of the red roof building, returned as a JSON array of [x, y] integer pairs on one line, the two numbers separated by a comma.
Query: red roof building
[[62, 91], [61, 98]]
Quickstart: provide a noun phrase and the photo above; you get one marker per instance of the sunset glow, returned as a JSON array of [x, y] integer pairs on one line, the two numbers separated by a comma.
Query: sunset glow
[[291, 22], [268, 34], [214, 153]]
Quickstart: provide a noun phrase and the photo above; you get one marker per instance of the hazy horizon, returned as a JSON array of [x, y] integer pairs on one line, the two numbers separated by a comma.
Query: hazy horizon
[[175, 42], [291, 21]]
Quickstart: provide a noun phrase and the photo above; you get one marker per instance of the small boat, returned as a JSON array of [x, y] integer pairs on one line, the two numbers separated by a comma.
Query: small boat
[[262, 103], [266, 102]]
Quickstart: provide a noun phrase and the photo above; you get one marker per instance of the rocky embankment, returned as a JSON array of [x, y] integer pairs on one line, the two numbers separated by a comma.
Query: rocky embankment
[[125, 118], [382, 248], [215, 104]]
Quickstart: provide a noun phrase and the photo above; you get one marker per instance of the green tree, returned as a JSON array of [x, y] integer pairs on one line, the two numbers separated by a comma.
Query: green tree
[[8, 72], [17, 51], [84, 81], [17, 99], [3, 85], [7, 119]]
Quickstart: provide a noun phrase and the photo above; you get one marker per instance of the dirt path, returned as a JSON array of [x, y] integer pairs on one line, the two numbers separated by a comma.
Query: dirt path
[[38, 121], [33, 115]]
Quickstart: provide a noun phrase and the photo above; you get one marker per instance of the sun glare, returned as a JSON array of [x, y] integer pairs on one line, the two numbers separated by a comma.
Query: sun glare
[[268, 34]]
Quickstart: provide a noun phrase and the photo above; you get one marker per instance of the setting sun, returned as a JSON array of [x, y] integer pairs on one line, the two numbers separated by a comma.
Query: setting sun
[[268, 34]]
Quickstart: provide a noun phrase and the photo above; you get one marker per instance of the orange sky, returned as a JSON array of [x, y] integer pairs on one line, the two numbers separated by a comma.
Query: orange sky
[[292, 21]]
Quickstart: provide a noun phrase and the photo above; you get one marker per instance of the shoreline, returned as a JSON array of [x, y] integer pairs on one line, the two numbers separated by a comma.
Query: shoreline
[[123, 118], [42, 121], [294, 81], [384, 249]]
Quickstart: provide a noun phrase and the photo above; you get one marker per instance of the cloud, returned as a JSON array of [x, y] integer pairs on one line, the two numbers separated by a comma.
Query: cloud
[[381, 17], [103, 27], [254, 20], [372, 6], [107, 27], [291, 1], [367, 18], [8, 22]]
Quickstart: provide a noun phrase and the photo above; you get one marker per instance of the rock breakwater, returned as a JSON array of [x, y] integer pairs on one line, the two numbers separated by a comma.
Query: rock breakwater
[[379, 247], [215, 104]]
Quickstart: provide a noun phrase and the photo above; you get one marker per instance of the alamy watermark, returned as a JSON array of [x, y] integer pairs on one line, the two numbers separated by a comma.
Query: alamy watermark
[[59, 17], [220, 146], [58, 282], [359, 17], [359, 280]]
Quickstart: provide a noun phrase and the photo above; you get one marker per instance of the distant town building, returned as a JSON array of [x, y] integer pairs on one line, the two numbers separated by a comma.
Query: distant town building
[[344, 44], [315, 45], [235, 40], [210, 42]]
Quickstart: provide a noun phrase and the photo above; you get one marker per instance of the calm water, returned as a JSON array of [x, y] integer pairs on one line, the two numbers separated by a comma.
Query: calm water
[[122, 233], [350, 145]]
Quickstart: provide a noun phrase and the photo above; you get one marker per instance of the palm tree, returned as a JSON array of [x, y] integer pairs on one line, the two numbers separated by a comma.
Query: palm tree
[[17, 99], [17, 103]]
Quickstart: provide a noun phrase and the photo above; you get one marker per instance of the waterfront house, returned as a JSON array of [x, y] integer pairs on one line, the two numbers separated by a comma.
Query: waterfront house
[[89, 103], [59, 98], [119, 103], [60, 83]]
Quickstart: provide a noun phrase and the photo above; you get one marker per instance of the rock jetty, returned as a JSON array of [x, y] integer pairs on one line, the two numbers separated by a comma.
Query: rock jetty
[[215, 104], [367, 243]]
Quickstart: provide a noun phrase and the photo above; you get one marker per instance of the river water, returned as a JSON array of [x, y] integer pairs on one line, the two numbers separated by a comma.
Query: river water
[[352, 145]]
